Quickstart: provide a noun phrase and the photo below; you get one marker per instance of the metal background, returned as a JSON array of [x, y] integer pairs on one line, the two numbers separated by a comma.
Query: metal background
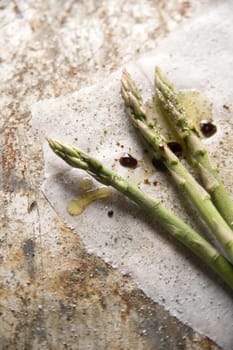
[[53, 294]]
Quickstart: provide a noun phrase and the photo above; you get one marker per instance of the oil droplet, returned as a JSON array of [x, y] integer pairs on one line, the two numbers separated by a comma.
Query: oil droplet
[[128, 161], [86, 184], [196, 105], [78, 205], [208, 128]]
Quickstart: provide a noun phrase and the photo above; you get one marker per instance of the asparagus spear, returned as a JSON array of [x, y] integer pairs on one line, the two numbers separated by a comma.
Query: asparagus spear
[[200, 198], [187, 132], [174, 225]]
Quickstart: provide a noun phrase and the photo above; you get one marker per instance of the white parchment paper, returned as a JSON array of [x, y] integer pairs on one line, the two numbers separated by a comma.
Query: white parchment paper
[[198, 55]]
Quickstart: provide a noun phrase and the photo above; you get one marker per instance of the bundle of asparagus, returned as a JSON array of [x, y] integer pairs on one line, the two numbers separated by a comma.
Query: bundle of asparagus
[[199, 157], [202, 200]]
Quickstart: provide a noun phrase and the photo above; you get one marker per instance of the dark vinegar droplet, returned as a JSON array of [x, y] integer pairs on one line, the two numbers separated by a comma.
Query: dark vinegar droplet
[[110, 213], [158, 164], [176, 148], [208, 128], [128, 161]]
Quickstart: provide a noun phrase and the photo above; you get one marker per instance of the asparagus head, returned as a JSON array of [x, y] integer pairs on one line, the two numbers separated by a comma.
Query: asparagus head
[[180, 120]]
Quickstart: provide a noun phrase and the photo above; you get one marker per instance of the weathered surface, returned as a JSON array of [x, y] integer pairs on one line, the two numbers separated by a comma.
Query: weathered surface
[[53, 295]]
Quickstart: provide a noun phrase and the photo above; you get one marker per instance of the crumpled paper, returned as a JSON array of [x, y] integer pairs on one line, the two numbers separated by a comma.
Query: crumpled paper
[[196, 56]]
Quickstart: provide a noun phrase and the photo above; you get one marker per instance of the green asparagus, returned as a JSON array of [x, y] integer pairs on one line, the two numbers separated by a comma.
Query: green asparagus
[[170, 102], [201, 199], [174, 225]]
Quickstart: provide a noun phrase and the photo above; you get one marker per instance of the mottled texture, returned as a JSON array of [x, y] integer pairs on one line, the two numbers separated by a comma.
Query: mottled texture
[[53, 295]]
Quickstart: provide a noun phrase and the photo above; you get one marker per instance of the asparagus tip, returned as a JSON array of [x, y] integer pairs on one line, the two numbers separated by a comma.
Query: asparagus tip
[[54, 144], [51, 141]]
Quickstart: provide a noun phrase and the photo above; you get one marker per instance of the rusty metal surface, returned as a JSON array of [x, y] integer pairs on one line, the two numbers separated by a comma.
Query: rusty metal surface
[[53, 295]]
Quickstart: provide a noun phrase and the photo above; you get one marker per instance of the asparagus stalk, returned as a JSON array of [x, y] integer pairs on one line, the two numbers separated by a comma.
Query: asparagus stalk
[[174, 225], [170, 102], [198, 195]]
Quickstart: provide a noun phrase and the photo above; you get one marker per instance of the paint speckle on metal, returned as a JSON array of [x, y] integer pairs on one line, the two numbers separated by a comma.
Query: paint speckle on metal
[[53, 294]]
